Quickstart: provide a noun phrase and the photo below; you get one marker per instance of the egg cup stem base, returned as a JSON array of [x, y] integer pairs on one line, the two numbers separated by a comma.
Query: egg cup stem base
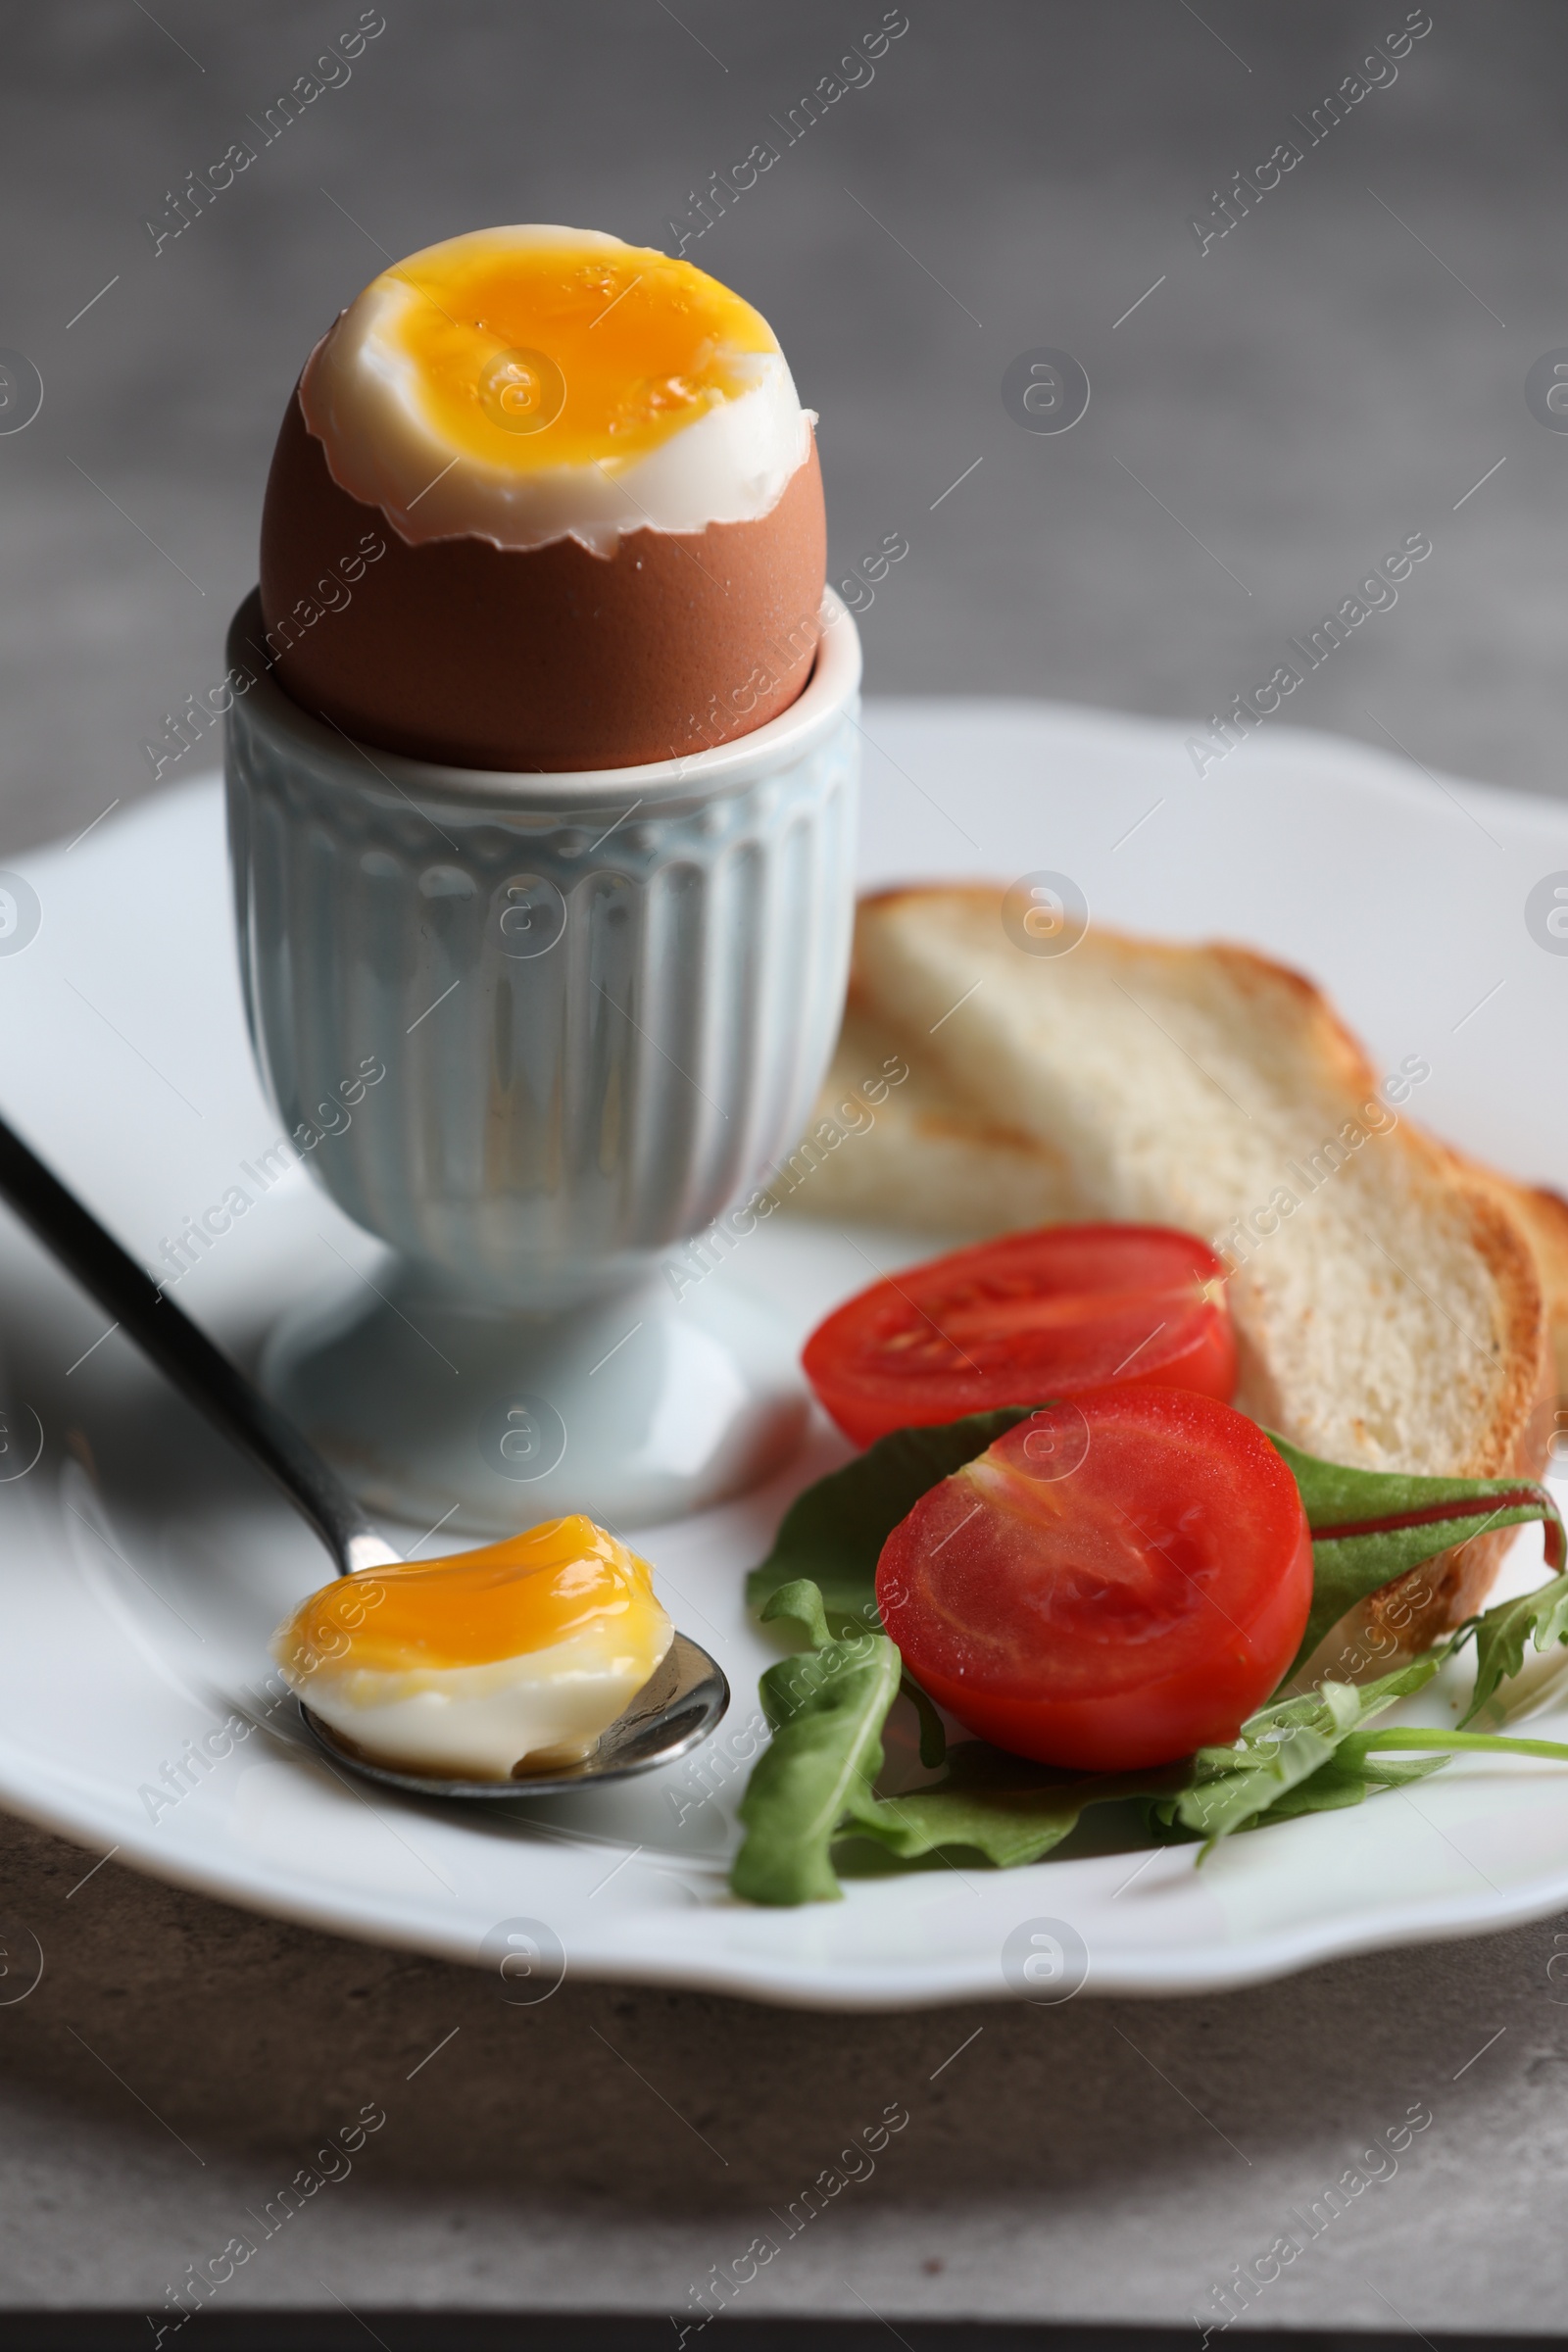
[[440, 1410]]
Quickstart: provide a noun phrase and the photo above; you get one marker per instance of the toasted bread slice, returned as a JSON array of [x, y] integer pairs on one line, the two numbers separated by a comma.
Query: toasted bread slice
[[1386, 1294]]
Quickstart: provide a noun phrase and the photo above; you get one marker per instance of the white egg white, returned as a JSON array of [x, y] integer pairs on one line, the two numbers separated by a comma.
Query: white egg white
[[548, 1706]]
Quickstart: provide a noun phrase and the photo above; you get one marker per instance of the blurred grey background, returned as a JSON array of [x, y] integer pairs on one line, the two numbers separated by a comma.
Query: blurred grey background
[[1268, 416], [1333, 374]]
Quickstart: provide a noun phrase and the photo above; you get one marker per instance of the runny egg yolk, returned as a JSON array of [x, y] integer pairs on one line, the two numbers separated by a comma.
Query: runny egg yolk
[[465, 1667], [532, 356]]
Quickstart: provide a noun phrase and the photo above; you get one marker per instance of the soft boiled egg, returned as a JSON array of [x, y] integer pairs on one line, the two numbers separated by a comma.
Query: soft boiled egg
[[544, 499], [466, 1667]]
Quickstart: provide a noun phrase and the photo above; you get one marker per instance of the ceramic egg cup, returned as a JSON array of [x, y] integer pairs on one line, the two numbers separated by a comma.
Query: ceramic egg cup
[[544, 1029]]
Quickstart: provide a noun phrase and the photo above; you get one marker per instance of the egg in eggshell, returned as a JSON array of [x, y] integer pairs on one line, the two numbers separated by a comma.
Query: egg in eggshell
[[545, 501]]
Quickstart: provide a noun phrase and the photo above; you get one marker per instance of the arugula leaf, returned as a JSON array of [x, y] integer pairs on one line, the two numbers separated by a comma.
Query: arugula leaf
[[1388, 1523], [1346, 1780], [800, 1602], [1006, 1809], [1289, 1758], [834, 1532], [1296, 1756], [1483, 1743], [1283, 1745], [1501, 1632], [826, 1707]]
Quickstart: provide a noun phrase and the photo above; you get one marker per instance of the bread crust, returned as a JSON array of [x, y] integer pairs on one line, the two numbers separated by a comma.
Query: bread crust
[[1544, 1216]]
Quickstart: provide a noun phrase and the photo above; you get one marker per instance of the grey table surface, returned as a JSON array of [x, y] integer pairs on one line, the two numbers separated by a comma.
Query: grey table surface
[[1343, 368]]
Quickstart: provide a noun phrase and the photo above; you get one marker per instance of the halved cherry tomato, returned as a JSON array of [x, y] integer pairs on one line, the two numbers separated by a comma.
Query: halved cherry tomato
[[1120, 1579], [1029, 1316]]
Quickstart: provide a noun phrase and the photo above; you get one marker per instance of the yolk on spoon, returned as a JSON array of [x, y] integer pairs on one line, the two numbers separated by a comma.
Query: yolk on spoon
[[466, 1666]]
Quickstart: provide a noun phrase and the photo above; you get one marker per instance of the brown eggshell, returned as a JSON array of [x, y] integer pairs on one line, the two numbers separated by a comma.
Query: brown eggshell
[[552, 658]]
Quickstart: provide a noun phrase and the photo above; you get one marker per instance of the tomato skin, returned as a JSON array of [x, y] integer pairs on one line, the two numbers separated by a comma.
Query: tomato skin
[[1026, 1316], [1118, 1612]]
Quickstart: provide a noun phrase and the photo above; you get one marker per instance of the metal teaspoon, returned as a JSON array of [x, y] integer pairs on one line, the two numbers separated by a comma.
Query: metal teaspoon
[[673, 1712]]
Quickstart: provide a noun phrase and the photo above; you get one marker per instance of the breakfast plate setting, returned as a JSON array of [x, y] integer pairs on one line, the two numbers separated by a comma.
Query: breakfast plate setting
[[147, 1567], [859, 1306]]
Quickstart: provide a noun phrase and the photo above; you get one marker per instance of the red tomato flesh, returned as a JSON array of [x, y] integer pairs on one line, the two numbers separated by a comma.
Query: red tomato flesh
[[1120, 1579], [1029, 1316]]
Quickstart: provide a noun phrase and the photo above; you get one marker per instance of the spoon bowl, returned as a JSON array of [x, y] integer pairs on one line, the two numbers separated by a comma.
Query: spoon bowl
[[673, 1712], [676, 1709]]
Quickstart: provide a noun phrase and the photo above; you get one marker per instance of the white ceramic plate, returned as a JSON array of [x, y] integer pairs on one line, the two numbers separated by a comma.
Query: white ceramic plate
[[142, 1568]]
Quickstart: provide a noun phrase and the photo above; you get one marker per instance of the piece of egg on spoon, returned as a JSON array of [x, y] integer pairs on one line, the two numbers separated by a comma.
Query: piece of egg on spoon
[[466, 1667], [543, 499]]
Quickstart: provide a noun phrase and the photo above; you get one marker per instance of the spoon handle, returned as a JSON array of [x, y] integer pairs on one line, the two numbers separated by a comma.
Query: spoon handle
[[200, 1371]]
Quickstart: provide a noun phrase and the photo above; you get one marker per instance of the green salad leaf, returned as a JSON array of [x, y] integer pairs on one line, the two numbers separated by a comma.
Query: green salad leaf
[[1281, 1749], [1004, 1808], [1289, 1758], [1501, 1635], [826, 1707], [1370, 1527], [1347, 1778]]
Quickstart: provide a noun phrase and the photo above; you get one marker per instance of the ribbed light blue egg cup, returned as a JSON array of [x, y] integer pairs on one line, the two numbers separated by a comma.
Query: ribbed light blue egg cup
[[548, 1027]]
